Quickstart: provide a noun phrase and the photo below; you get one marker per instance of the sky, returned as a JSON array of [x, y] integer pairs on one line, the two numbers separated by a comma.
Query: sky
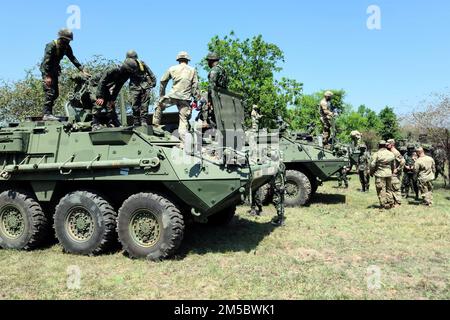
[[327, 43]]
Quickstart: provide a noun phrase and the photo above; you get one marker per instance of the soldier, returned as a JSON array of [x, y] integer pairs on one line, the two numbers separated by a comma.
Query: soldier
[[343, 177], [439, 157], [382, 167], [364, 168], [185, 86], [399, 164], [141, 84], [51, 69], [256, 118], [409, 181], [425, 169], [109, 86], [326, 117]]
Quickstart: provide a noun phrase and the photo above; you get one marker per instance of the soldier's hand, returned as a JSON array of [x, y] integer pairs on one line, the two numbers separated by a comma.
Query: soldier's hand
[[100, 102], [86, 74], [48, 80]]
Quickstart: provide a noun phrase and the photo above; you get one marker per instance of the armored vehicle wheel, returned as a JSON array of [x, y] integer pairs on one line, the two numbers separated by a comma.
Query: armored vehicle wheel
[[85, 223], [223, 217], [298, 189], [150, 226], [265, 193], [23, 225]]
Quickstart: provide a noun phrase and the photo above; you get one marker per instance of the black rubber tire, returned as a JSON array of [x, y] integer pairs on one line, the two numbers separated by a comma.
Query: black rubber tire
[[265, 193], [104, 235], [222, 218], [170, 221], [304, 187], [36, 226]]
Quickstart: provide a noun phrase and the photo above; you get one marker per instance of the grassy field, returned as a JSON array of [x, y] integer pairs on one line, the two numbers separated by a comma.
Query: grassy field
[[324, 252]]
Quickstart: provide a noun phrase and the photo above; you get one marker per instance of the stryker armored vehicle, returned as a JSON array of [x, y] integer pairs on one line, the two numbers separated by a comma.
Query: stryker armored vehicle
[[127, 183], [308, 165]]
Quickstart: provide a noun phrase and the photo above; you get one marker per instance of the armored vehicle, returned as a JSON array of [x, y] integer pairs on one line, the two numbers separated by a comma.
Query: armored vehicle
[[308, 166], [127, 183]]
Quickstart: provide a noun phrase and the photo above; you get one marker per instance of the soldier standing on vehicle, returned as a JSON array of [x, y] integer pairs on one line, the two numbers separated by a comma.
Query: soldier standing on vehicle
[[382, 167], [109, 86], [51, 69], [326, 117], [399, 164], [364, 168], [256, 118], [184, 88], [141, 84], [425, 168], [409, 181]]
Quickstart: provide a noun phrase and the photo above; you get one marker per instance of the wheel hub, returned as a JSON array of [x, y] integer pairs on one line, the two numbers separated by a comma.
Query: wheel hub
[[80, 224], [12, 222], [145, 228], [291, 189]]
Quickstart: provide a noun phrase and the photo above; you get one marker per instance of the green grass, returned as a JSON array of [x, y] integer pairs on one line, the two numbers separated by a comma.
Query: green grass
[[323, 253]]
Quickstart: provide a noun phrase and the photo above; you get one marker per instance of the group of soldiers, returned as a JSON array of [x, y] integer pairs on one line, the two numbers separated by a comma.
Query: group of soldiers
[[396, 173], [142, 80]]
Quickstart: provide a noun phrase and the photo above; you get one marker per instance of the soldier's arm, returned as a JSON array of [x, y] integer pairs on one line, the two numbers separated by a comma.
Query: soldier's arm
[[373, 164], [70, 55], [195, 88], [102, 88], [49, 51], [325, 110], [416, 167], [164, 81], [402, 163], [151, 75], [213, 76]]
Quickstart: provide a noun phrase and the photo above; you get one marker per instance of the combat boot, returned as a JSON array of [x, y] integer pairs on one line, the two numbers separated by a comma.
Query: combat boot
[[278, 221]]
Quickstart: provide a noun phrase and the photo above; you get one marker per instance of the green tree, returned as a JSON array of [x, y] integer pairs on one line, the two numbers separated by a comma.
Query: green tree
[[252, 66], [390, 127]]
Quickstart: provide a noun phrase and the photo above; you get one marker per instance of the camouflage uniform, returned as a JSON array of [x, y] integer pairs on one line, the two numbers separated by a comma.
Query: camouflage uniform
[[409, 180], [382, 166], [109, 86], [326, 117], [141, 84], [217, 79], [185, 86], [439, 157], [364, 169], [343, 177], [278, 186], [399, 164], [256, 118], [425, 168], [55, 51]]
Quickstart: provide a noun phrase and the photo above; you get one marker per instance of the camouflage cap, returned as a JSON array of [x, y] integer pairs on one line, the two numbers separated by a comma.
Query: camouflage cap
[[183, 55], [66, 34], [391, 141], [363, 146], [382, 143], [212, 56], [427, 147], [328, 94], [411, 147], [132, 54], [255, 107]]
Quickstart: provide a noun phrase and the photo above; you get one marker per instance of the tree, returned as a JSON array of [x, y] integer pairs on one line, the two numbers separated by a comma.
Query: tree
[[252, 66], [390, 127]]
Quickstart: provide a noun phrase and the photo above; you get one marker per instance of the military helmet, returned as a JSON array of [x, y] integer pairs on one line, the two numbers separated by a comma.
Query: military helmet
[[132, 54], [183, 55], [256, 107], [411, 147], [129, 65], [382, 143], [403, 149], [391, 141], [66, 34], [212, 56], [328, 94], [363, 146]]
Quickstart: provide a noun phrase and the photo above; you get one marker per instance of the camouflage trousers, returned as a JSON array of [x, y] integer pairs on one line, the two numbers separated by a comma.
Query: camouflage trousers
[[440, 171], [409, 183], [140, 100], [364, 178], [185, 111], [51, 93], [385, 192], [426, 189], [326, 130], [343, 178], [279, 191], [397, 189]]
